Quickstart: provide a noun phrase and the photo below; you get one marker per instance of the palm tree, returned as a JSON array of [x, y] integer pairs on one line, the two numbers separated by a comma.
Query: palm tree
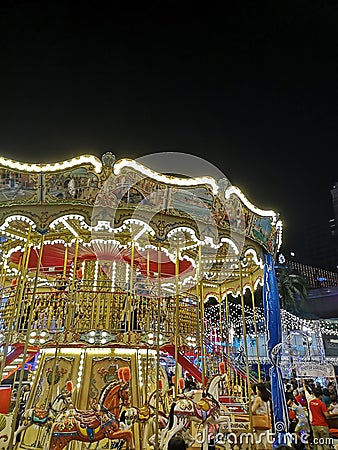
[[292, 289]]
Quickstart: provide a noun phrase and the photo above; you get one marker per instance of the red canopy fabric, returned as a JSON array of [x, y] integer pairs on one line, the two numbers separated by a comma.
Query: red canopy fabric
[[53, 259], [167, 266]]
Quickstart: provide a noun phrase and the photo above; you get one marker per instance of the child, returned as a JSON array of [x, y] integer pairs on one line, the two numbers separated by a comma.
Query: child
[[333, 408]]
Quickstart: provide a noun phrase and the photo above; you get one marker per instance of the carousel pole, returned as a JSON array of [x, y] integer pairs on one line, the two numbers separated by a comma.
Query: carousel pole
[[220, 322], [148, 268], [130, 296], [244, 339], [65, 262], [50, 390], [57, 349], [201, 299], [255, 326], [177, 320], [72, 287], [21, 286], [29, 327], [228, 333], [157, 403], [3, 275], [23, 262], [147, 355]]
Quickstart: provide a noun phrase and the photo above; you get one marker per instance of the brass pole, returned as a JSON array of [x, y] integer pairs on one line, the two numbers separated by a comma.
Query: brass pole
[[72, 287], [157, 403], [20, 288], [3, 275], [147, 357], [29, 326], [200, 284], [220, 322], [148, 267], [177, 320], [228, 331], [50, 392], [147, 376], [65, 261], [255, 326], [131, 280], [244, 339]]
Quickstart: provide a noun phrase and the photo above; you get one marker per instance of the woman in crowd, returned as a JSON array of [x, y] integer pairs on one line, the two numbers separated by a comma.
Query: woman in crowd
[[302, 428], [261, 407]]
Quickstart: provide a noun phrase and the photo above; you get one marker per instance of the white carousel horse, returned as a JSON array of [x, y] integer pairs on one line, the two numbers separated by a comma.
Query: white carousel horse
[[187, 409], [146, 413], [42, 417]]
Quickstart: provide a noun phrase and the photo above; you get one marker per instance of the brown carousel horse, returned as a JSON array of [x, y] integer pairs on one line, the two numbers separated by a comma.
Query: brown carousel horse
[[93, 425]]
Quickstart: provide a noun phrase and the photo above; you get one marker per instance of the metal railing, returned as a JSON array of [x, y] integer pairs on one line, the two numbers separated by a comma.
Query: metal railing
[[97, 307]]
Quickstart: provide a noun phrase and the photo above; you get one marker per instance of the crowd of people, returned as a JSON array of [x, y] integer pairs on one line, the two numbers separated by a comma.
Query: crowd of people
[[312, 406]]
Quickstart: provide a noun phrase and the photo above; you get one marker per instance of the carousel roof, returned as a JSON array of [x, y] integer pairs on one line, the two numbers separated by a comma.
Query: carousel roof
[[105, 205]]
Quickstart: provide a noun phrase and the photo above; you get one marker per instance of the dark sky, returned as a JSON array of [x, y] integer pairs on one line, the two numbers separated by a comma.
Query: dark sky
[[252, 87]]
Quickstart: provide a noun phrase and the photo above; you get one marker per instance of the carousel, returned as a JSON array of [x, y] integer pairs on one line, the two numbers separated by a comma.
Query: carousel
[[107, 337]]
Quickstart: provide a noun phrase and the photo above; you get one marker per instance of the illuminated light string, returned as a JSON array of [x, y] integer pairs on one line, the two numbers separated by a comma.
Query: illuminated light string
[[106, 226], [279, 228], [125, 162], [231, 190], [265, 213], [289, 321], [53, 167]]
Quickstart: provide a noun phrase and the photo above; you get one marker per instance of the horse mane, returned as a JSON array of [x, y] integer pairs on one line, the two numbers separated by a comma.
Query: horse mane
[[106, 389], [210, 380], [171, 415], [123, 416]]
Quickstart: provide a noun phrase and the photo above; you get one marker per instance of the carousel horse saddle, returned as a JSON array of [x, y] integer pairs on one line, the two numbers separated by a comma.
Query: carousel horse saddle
[[143, 413], [85, 412], [204, 405], [92, 420], [40, 415]]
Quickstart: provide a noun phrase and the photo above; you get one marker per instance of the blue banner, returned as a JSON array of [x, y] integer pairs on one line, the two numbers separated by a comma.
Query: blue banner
[[272, 316]]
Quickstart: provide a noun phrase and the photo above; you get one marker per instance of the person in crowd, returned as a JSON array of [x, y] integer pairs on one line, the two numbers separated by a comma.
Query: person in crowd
[[300, 398], [309, 395], [326, 397], [177, 443], [331, 388], [333, 408], [284, 447], [302, 425], [319, 424], [190, 382], [289, 392], [292, 416], [261, 406]]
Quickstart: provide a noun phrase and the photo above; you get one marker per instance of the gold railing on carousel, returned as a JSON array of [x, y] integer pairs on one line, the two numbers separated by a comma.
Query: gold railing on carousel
[[96, 307]]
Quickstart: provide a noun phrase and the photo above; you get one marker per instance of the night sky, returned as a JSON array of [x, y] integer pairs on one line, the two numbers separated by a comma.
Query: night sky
[[252, 88]]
